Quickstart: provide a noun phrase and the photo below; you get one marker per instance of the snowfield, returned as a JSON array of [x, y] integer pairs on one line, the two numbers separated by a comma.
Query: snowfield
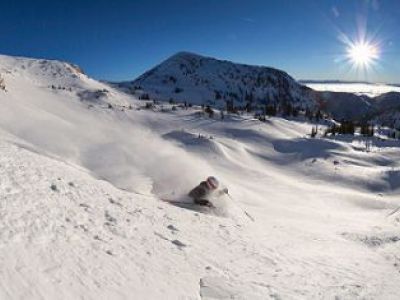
[[84, 170]]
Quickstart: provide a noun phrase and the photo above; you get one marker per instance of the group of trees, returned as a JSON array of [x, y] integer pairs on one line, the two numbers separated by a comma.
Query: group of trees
[[144, 97], [2, 84], [347, 127], [178, 90], [209, 111], [367, 130], [316, 115], [288, 110], [314, 131], [394, 133], [59, 87], [249, 104], [261, 111]]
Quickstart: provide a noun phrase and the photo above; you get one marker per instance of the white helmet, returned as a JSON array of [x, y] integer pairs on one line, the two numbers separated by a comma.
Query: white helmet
[[212, 182]]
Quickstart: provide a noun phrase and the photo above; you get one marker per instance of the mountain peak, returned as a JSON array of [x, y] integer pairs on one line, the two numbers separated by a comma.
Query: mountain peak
[[185, 54], [198, 79]]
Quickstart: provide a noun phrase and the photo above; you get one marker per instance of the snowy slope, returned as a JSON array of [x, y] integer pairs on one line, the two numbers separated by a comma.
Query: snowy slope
[[360, 100], [203, 80], [387, 108], [347, 106], [60, 77], [65, 120], [82, 217], [195, 79]]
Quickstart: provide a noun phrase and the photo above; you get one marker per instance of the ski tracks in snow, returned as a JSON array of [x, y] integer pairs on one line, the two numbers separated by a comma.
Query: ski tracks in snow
[[65, 235]]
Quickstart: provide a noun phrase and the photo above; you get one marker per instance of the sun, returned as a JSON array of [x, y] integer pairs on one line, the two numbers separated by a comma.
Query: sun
[[362, 54]]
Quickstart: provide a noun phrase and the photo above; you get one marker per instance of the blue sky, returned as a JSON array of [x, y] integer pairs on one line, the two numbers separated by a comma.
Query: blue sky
[[118, 40]]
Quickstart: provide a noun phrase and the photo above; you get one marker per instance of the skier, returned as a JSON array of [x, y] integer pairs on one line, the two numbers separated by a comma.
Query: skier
[[206, 190]]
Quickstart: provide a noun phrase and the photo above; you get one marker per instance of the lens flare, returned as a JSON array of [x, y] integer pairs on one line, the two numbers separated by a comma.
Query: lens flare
[[362, 54], [363, 49]]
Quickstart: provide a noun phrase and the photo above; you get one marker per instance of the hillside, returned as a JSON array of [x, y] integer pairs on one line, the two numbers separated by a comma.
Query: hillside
[[387, 109], [84, 179], [203, 80], [346, 106], [195, 79], [379, 103]]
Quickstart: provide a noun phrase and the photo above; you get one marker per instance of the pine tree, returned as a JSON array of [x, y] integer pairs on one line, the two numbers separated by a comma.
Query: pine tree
[[318, 116], [218, 95], [295, 112], [314, 131], [209, 111], [144, 97], [287, 110], [333, 130], [270, 110], [229, 106], [248, 107], [309, 114], [367, 130], [346, 127]]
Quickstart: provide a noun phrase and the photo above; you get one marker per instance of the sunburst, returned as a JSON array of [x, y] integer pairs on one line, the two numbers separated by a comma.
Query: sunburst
[[363, 55]]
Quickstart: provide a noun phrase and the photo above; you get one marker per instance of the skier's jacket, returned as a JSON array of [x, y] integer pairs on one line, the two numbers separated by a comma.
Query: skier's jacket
[[201, 192]]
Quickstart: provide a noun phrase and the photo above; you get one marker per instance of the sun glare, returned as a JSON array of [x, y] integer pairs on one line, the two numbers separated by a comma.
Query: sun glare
[[362, 54]]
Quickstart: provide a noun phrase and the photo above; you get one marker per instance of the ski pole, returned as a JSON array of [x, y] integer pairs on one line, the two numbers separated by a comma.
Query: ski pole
[[393, 212], [245, 212]]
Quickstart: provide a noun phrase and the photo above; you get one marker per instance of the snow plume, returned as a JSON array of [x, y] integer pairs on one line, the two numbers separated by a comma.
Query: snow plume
[[130, 157], [110, 143], [127, 155], [148, 164]]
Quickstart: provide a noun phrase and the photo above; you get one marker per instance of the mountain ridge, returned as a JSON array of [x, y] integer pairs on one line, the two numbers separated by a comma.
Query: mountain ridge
[[202, 80], [199, 79]]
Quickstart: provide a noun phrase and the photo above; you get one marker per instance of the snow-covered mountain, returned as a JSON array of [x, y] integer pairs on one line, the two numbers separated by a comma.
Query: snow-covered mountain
[[346, 106], [388, 101], [387, 109], [204, 80], [85, 171], [360, 100], [195, 79], [382, 109], [56, 77]]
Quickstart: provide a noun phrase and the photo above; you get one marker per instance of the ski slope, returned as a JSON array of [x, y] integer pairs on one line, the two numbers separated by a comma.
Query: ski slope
[[83, 172]]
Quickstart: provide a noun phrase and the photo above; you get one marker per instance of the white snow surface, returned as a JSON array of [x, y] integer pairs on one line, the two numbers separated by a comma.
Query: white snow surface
[[82, 178]]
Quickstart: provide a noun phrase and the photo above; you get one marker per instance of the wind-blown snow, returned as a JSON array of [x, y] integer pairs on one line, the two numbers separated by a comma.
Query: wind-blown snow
[[82, 178]]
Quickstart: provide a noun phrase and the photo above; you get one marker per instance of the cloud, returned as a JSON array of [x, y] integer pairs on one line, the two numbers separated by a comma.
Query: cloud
[[248, 20], [335, 12], [375, 4]]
